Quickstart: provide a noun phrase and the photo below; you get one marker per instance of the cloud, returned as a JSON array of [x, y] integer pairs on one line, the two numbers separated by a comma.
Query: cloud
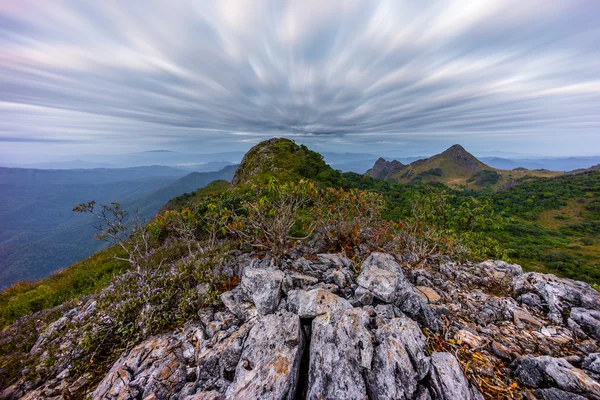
[[371, 72]]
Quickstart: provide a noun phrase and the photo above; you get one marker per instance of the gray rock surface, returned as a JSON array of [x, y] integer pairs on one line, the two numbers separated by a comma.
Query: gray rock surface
[[447, 381], [341, 352], [311, 303], [399, 361], [270, 361], [263, 286], [545, 371]]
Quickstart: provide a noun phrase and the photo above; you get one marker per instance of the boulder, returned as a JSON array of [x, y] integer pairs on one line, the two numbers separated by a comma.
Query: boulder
[[383, 276], [156, 367], [309, 304], [447, 380], [270, 361], [239, 304], [263, 286], [546, 371], [559, 294], [399, 361], [341, 351], [587, 320]]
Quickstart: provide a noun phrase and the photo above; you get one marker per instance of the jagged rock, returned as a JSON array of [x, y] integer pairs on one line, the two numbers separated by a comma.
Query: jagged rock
[[399, 361], [362, 297], [501, 351], [592, 363], [216, 362], [384, 277], [156, 366], [309, 304], [221, 321], [560, 295], [270, 361], [209, 395], [532, 300], [300, 281], [500, 269], [556, 394], [447, 380], [263, 286], [323, 266], [545, 371], [587, 320], [238, 303], [341, 350]]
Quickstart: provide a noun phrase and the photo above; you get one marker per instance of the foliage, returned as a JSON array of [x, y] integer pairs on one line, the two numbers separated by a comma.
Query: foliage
[[80, 279]]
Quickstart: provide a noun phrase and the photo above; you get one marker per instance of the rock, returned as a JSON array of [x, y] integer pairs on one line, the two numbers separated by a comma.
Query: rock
[[428, 294], [217, 362], [447, 380], [270, 361], [558, 294], [587, 320], [239, 304], [323, 266], [500, 269], [383, 276], [362, 297], [309, 304], [399, 361], [591, 364], [469, 338], [263, 286], [209, 395], [341, 351], [301, 281], [156, 366], [531, 300], [545, 371], [523, 319], [556, 394]]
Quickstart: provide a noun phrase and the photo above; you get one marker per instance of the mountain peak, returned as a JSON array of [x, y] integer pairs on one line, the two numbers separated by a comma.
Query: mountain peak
[[383, 168], [283, 159], [458, 154]]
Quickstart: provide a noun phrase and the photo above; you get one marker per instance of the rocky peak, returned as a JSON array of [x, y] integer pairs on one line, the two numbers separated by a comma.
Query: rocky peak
[[382, 168], [330, 327], [458, 154]]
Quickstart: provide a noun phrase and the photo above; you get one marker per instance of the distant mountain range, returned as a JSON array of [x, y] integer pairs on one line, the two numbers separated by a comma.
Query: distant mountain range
[[455, 168], [39, 233]]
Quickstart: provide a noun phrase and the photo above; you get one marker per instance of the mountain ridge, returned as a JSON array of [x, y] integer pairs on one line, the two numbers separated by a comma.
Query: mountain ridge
[[455, 167]]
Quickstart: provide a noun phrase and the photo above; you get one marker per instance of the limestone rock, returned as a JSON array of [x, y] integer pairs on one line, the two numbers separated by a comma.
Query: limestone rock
[[447, 380], [156, 366], [545, 371], [587, 320], [309, 304], [341, 351], [428, 294], [263, 286], [399, 361], [383, 276], [270, 361]]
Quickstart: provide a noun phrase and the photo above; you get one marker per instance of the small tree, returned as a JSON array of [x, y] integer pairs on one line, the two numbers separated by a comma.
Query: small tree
[[130, 234], [268, 220]]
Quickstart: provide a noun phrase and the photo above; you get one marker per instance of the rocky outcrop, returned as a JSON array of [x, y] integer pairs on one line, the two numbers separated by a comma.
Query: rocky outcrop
[[312, 328], [383, 169]]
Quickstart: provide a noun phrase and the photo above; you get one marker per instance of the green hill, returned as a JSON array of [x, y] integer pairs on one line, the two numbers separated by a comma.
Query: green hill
[[455, 168]]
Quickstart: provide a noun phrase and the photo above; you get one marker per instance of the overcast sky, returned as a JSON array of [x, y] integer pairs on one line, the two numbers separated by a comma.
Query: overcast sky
[[389, 77]]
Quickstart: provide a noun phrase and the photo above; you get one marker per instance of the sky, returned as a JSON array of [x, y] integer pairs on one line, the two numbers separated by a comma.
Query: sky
[[386, 77]]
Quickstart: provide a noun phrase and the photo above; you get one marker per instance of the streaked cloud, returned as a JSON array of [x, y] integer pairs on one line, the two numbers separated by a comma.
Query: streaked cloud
[[384, 74]]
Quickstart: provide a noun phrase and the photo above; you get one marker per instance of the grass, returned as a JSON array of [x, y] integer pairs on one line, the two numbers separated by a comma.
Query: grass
[[80, 279]]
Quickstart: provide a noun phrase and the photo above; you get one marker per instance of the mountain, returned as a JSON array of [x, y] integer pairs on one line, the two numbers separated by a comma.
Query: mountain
[[283, 159], [555, 164], [455, 167], [39, 233], [363, 307]]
